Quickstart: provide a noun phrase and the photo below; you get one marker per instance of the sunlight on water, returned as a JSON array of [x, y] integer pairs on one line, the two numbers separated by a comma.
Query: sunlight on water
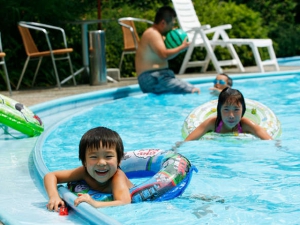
[[239, 182]]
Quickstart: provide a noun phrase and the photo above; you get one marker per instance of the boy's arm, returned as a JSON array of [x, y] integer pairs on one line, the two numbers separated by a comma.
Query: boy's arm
[[53, 178], [120, 191], [215, 91], [156, 42], [50, 183]]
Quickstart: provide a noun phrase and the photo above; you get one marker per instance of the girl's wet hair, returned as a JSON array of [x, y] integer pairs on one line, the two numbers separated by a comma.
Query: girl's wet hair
[[101, 137], [232, 97]]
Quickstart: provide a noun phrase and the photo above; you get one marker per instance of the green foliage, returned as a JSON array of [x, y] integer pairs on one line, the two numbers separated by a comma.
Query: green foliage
[[245, 24], [143, 6], [282, 18], [114, 36], [53, 12], [275, 19]]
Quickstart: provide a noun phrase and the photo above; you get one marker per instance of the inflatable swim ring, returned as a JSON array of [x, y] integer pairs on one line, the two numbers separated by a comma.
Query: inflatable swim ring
[[17, 116], [255, 111], [169, 172]]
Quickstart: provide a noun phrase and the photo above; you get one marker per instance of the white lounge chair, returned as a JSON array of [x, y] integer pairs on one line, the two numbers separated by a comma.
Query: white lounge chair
[[189, 22]]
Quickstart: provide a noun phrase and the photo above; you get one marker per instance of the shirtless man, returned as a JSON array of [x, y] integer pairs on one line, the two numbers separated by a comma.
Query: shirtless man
[[151, 60]]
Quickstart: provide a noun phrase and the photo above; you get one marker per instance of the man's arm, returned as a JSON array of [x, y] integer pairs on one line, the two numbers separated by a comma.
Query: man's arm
[[157, 44]]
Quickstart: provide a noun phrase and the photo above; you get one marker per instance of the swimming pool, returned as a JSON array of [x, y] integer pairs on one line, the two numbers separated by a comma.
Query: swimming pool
[[250, 182], [289, 61]]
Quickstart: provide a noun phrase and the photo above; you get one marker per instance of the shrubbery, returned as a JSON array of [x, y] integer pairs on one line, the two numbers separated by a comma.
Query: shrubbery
[[253, 20]]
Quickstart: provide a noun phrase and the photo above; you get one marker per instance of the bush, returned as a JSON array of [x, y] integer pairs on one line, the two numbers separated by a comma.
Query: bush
[[245, 24]]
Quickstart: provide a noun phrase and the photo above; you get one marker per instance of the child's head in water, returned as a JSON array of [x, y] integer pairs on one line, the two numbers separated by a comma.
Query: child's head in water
[[101, 151], [230, 100], [222, 81]]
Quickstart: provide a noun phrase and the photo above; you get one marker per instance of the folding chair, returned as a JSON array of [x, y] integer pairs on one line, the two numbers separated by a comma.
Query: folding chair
[[130, 35], [2, 62], [189, 22], [33, 52]]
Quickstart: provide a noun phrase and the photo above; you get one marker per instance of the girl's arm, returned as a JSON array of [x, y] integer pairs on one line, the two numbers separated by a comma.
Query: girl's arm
[[203, 128], [120, 190], [53, 178], [250, 127]]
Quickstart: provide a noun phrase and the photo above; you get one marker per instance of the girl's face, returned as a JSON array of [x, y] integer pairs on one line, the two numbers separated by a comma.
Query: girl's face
[[231, 114], [102, 163]]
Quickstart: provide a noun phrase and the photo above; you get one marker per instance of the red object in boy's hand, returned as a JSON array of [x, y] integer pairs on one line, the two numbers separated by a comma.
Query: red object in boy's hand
[[63, 211]]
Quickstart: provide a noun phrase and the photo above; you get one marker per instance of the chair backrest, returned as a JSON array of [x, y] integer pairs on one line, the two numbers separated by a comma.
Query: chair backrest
[[130, 36], [29, 44], [186, 14], [2, 54]]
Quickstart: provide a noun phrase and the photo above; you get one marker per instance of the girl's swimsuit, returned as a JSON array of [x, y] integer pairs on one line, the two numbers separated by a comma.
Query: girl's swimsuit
[[219, 127]]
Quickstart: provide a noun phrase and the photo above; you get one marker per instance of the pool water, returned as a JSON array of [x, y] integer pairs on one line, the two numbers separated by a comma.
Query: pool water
[[238, 182], [289, 61]]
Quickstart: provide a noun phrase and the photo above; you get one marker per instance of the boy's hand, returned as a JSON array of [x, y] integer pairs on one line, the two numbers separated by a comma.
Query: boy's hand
[[83, 198], [54, 203]]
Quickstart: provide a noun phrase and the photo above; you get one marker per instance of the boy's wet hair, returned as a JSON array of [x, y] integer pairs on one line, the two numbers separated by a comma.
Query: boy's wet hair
[[166, 13], [232, 97], [229, 80], [101, 137]]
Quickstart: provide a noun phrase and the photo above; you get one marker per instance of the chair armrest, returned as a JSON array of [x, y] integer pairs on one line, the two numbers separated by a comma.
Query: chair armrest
[[198, 29], [132, 31], [218, 28], [25, 24], [134, 19], [41, 25]]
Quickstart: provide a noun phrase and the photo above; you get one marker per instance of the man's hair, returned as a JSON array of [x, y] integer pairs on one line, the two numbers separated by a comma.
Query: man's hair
[[229, 82], [166, 13]]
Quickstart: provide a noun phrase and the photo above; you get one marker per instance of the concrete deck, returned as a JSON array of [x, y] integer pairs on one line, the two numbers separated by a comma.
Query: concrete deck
[[36, 95]]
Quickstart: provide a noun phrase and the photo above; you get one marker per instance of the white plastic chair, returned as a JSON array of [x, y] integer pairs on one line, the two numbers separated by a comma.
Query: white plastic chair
[[189, 22]]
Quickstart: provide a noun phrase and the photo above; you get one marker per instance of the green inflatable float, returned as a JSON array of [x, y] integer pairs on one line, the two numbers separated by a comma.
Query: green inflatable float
[[17, 116]]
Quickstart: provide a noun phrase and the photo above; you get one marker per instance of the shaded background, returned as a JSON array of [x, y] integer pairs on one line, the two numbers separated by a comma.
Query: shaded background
[[275, 19]]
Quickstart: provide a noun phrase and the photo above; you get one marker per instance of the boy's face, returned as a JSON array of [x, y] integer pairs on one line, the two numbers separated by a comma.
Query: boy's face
[[168, 26], [102, 163], [221, 82]]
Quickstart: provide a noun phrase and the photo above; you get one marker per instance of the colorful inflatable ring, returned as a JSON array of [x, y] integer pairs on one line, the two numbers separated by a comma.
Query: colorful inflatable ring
[[17, 116], [255, 111], [169, 172]]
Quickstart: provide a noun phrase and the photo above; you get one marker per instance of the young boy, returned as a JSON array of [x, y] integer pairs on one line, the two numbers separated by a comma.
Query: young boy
[[100, 151], [221, 82]]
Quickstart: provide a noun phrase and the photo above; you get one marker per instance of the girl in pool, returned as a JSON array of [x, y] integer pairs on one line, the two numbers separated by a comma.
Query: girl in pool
[[100, 151], [230, 111]]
